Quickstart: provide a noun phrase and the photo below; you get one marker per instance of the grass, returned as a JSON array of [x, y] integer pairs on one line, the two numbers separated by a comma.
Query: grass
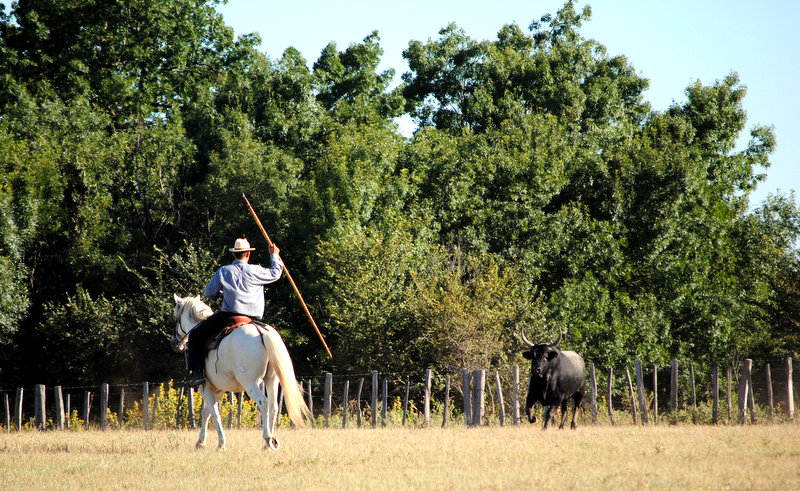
[[682, 456]]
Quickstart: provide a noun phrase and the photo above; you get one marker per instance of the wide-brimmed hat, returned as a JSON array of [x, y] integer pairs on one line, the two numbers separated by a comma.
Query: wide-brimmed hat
[[241, 245]]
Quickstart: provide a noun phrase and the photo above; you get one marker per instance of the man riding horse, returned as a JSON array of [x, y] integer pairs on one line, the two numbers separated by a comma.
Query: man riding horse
[[241, 286]]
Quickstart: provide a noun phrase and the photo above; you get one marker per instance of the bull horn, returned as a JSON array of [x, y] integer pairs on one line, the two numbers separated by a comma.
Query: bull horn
[[560, 338], [524, 339]]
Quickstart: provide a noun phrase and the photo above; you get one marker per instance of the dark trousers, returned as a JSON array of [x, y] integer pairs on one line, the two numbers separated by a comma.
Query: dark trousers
[[199, 336]]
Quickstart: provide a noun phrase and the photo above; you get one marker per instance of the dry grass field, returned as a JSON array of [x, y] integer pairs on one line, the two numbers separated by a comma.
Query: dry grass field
[[739, 457]]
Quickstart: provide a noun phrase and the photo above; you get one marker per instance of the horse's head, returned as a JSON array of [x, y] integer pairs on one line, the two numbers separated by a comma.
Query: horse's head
[[189, 311]]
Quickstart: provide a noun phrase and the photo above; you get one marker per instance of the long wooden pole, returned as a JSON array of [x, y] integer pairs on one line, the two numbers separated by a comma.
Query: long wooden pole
[[289, 277]]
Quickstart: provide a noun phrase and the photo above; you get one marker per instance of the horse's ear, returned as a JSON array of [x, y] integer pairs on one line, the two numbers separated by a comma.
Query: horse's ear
[[178, 300], [197, 298]]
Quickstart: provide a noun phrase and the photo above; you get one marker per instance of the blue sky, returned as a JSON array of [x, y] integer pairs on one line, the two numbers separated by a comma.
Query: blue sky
[[671, 43]]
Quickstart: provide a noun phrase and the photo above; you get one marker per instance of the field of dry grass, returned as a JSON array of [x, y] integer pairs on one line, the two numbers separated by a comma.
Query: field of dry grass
[[762, 456]]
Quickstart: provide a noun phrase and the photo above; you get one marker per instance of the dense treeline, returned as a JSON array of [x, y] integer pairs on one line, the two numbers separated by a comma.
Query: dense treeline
[[540, 191]]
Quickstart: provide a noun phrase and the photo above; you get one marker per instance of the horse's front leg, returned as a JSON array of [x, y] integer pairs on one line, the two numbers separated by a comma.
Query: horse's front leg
[[205, 415], [221, 440], [211, 410]]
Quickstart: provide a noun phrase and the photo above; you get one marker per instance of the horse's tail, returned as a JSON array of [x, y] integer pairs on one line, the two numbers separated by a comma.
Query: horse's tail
[[282, 364]]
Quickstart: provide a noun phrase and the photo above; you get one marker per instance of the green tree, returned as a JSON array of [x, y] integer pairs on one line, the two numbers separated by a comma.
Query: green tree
[[457, 82], [349, 87], [366, 276], [469, 312], [134, 59]]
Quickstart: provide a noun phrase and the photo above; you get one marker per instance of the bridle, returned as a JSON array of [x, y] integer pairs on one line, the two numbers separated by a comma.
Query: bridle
[[179, 336]]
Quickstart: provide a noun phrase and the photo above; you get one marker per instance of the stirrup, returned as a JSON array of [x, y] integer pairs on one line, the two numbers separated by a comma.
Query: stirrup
[[195, 382], [196, 379]]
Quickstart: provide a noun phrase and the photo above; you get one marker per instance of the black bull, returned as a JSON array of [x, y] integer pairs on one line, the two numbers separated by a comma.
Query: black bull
[[556, 376]]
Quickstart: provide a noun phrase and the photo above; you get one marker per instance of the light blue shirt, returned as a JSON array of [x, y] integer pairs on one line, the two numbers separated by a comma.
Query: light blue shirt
[[242, 286]]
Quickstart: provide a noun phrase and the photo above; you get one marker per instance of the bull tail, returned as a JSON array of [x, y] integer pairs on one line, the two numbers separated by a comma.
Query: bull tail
[[278, 356]]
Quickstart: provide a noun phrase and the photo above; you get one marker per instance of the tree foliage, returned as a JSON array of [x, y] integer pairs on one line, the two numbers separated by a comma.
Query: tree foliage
[[540, 192]]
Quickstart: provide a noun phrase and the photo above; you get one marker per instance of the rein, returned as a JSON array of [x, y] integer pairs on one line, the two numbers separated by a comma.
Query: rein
[[178, 325], [179, 329]]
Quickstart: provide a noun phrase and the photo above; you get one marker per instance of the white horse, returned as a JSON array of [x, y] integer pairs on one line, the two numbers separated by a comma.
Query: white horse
[[242, 360]]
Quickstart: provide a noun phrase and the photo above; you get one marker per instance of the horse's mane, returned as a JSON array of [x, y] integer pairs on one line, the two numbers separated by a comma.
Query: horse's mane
[[200, 310]]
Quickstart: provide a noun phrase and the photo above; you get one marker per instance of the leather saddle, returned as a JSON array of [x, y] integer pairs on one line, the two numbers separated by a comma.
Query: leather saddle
[[234, 322]]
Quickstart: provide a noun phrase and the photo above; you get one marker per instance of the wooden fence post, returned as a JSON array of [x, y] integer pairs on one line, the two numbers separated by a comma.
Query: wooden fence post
[[327, 398], [68, 403], [358, 402], [374, 398], [345, 398], [18, 408], [154, 412], [59, 401], [789, 390], [121, 414], [769, 394], [103, 406], [239, 404], [446, 413], [230, 411], [310, 402], [744, 385], [673, 387], [640, 392], [87, 404], [630, 393], [730, 395], [40, 413], [146, 405], [427, 397], [465, 393], [280, 409], [179, 411], [500, 398], [593, 392], [694, 392], [479, 379], [751, 397], [515, 391], [655, 394], [715, 394], [610, 394], [405, 401], [7, 413], [384, 400], [190, 409]]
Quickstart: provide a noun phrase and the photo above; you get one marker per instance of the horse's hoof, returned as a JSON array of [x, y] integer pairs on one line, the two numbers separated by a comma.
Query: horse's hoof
[[199, 445], [273, 443]]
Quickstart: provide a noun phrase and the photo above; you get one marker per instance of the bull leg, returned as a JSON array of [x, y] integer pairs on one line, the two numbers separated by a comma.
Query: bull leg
[[576, 404], [529, 414], [546, 416], [554, 414], [563, 414]]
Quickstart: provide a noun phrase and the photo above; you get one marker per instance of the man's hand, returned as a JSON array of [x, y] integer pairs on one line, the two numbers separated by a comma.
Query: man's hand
[[273, 249]]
